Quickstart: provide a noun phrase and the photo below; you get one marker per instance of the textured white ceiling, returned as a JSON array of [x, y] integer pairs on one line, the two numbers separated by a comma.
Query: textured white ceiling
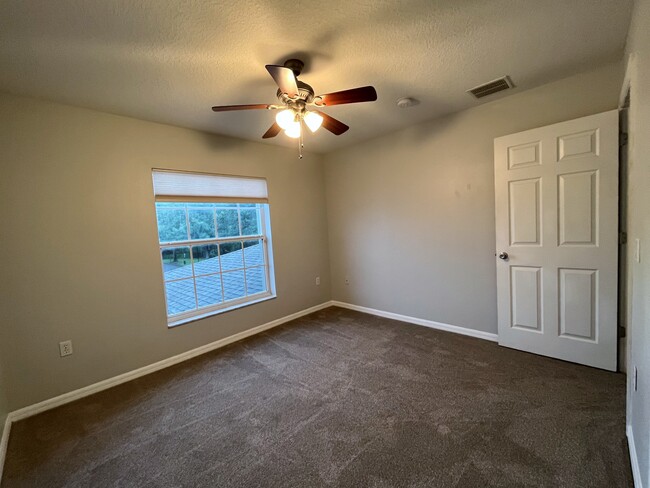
[[171, 60]]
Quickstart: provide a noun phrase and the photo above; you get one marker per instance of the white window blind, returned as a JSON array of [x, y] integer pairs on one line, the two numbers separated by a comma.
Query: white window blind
[[174, 186]]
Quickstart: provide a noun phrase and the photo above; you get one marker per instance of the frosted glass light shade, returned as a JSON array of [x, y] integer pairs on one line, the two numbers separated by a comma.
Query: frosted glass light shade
[[285, 118], [313, 121], [293, 130]]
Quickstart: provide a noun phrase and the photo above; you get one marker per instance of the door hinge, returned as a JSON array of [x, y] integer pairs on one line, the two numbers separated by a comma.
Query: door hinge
[[622, 139], [622, 238]]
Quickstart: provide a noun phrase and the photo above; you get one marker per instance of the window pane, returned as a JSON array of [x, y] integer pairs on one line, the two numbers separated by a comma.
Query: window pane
[[180, 296], [201, 223], [208, 290], [231, 255], [233, 285], [227, 222], [255, 280], [177, 263], [253, 253], [249, 222], [172, 225], [206, 259]]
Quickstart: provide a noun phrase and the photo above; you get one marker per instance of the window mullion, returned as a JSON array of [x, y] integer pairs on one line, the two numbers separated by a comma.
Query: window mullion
[[267, 265], [196, 293], [243, 258], [243, 254], [211, 241], [214, 217], [223, 292]]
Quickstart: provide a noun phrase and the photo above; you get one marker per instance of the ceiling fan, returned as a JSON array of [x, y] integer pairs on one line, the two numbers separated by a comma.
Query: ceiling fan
[[296, 96]]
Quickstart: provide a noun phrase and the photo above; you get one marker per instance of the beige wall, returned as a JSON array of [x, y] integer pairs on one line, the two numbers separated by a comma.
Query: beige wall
[[4, 406], [411, 214], [79, 242], [638, 227]]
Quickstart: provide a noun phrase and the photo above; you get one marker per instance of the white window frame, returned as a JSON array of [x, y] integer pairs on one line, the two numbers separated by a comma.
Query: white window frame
[[225, 305]]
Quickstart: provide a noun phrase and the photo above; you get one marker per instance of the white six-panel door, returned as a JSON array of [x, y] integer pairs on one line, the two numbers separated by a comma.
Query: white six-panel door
[[557, 221]]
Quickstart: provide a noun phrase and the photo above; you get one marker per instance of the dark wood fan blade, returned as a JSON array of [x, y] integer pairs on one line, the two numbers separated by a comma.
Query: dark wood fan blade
[[285, 79], [336, 127], [227, 108], [273, 131], [354, 95]]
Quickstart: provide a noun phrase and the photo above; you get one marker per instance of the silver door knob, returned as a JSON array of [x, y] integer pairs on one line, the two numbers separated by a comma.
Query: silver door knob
[[503, 255]]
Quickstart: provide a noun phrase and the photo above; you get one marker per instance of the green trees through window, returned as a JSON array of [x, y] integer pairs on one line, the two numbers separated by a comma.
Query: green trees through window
[[213, 255], [195, 221]]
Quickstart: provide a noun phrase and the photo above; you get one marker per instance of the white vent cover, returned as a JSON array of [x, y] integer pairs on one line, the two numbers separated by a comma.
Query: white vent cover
[[491, 87]]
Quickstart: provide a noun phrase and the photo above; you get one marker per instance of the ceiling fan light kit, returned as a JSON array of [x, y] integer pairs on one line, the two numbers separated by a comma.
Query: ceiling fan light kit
[[285, 118], [313, 121], [295, 96], [293, 130]]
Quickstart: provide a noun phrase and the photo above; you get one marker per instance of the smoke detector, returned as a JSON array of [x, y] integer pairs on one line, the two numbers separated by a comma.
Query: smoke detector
[[406, 102]]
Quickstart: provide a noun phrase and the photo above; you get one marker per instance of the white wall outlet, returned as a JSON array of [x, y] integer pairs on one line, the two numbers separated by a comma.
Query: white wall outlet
[[347, 280], [637, 250], [318, 281], [65, 348]]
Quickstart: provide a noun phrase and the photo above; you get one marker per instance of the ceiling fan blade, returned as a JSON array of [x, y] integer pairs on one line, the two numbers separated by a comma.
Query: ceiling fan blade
[[228, 108], [354, 95], [285, 79], [336, 127], [273, 131]]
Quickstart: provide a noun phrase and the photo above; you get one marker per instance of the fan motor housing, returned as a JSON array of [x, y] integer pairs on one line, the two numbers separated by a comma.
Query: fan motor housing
[[295, 65], [305, 94]]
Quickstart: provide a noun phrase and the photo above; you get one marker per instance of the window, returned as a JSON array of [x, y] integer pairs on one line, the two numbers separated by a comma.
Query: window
[[214, 238]]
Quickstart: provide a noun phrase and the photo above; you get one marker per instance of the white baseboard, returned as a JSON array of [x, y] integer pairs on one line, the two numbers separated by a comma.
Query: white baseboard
[[634, 460], [488, 336], [165, 363], [4, 441]]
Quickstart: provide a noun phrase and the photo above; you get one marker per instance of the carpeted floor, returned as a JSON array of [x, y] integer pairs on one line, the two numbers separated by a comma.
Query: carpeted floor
[[338, 398]]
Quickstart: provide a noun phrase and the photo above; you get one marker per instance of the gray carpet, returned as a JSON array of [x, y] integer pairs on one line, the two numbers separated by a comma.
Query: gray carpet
[[338, 398]]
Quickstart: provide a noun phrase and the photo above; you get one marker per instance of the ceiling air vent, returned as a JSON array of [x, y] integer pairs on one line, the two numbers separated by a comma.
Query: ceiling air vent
[[491, 87]]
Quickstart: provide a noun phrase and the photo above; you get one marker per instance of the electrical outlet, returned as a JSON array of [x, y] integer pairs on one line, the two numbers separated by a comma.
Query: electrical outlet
[[65, 348], [318, 281]]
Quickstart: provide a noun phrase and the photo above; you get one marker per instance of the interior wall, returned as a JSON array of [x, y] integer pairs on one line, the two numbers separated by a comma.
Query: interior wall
[[79, 241], [411, 214], [4, 406], [638, 227]]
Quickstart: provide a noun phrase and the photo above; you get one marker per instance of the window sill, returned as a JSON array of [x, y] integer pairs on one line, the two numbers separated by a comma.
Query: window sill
[[236, 306]]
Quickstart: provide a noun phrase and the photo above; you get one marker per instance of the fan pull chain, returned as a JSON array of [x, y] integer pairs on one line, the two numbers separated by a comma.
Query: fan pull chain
[[300, 144]]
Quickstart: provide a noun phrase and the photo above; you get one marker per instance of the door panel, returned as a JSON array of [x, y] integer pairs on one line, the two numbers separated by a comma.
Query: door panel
[[573, 146], [525, 212], [524, 155], [578, 208], [578, 308], [526, 297], [557, 219]]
